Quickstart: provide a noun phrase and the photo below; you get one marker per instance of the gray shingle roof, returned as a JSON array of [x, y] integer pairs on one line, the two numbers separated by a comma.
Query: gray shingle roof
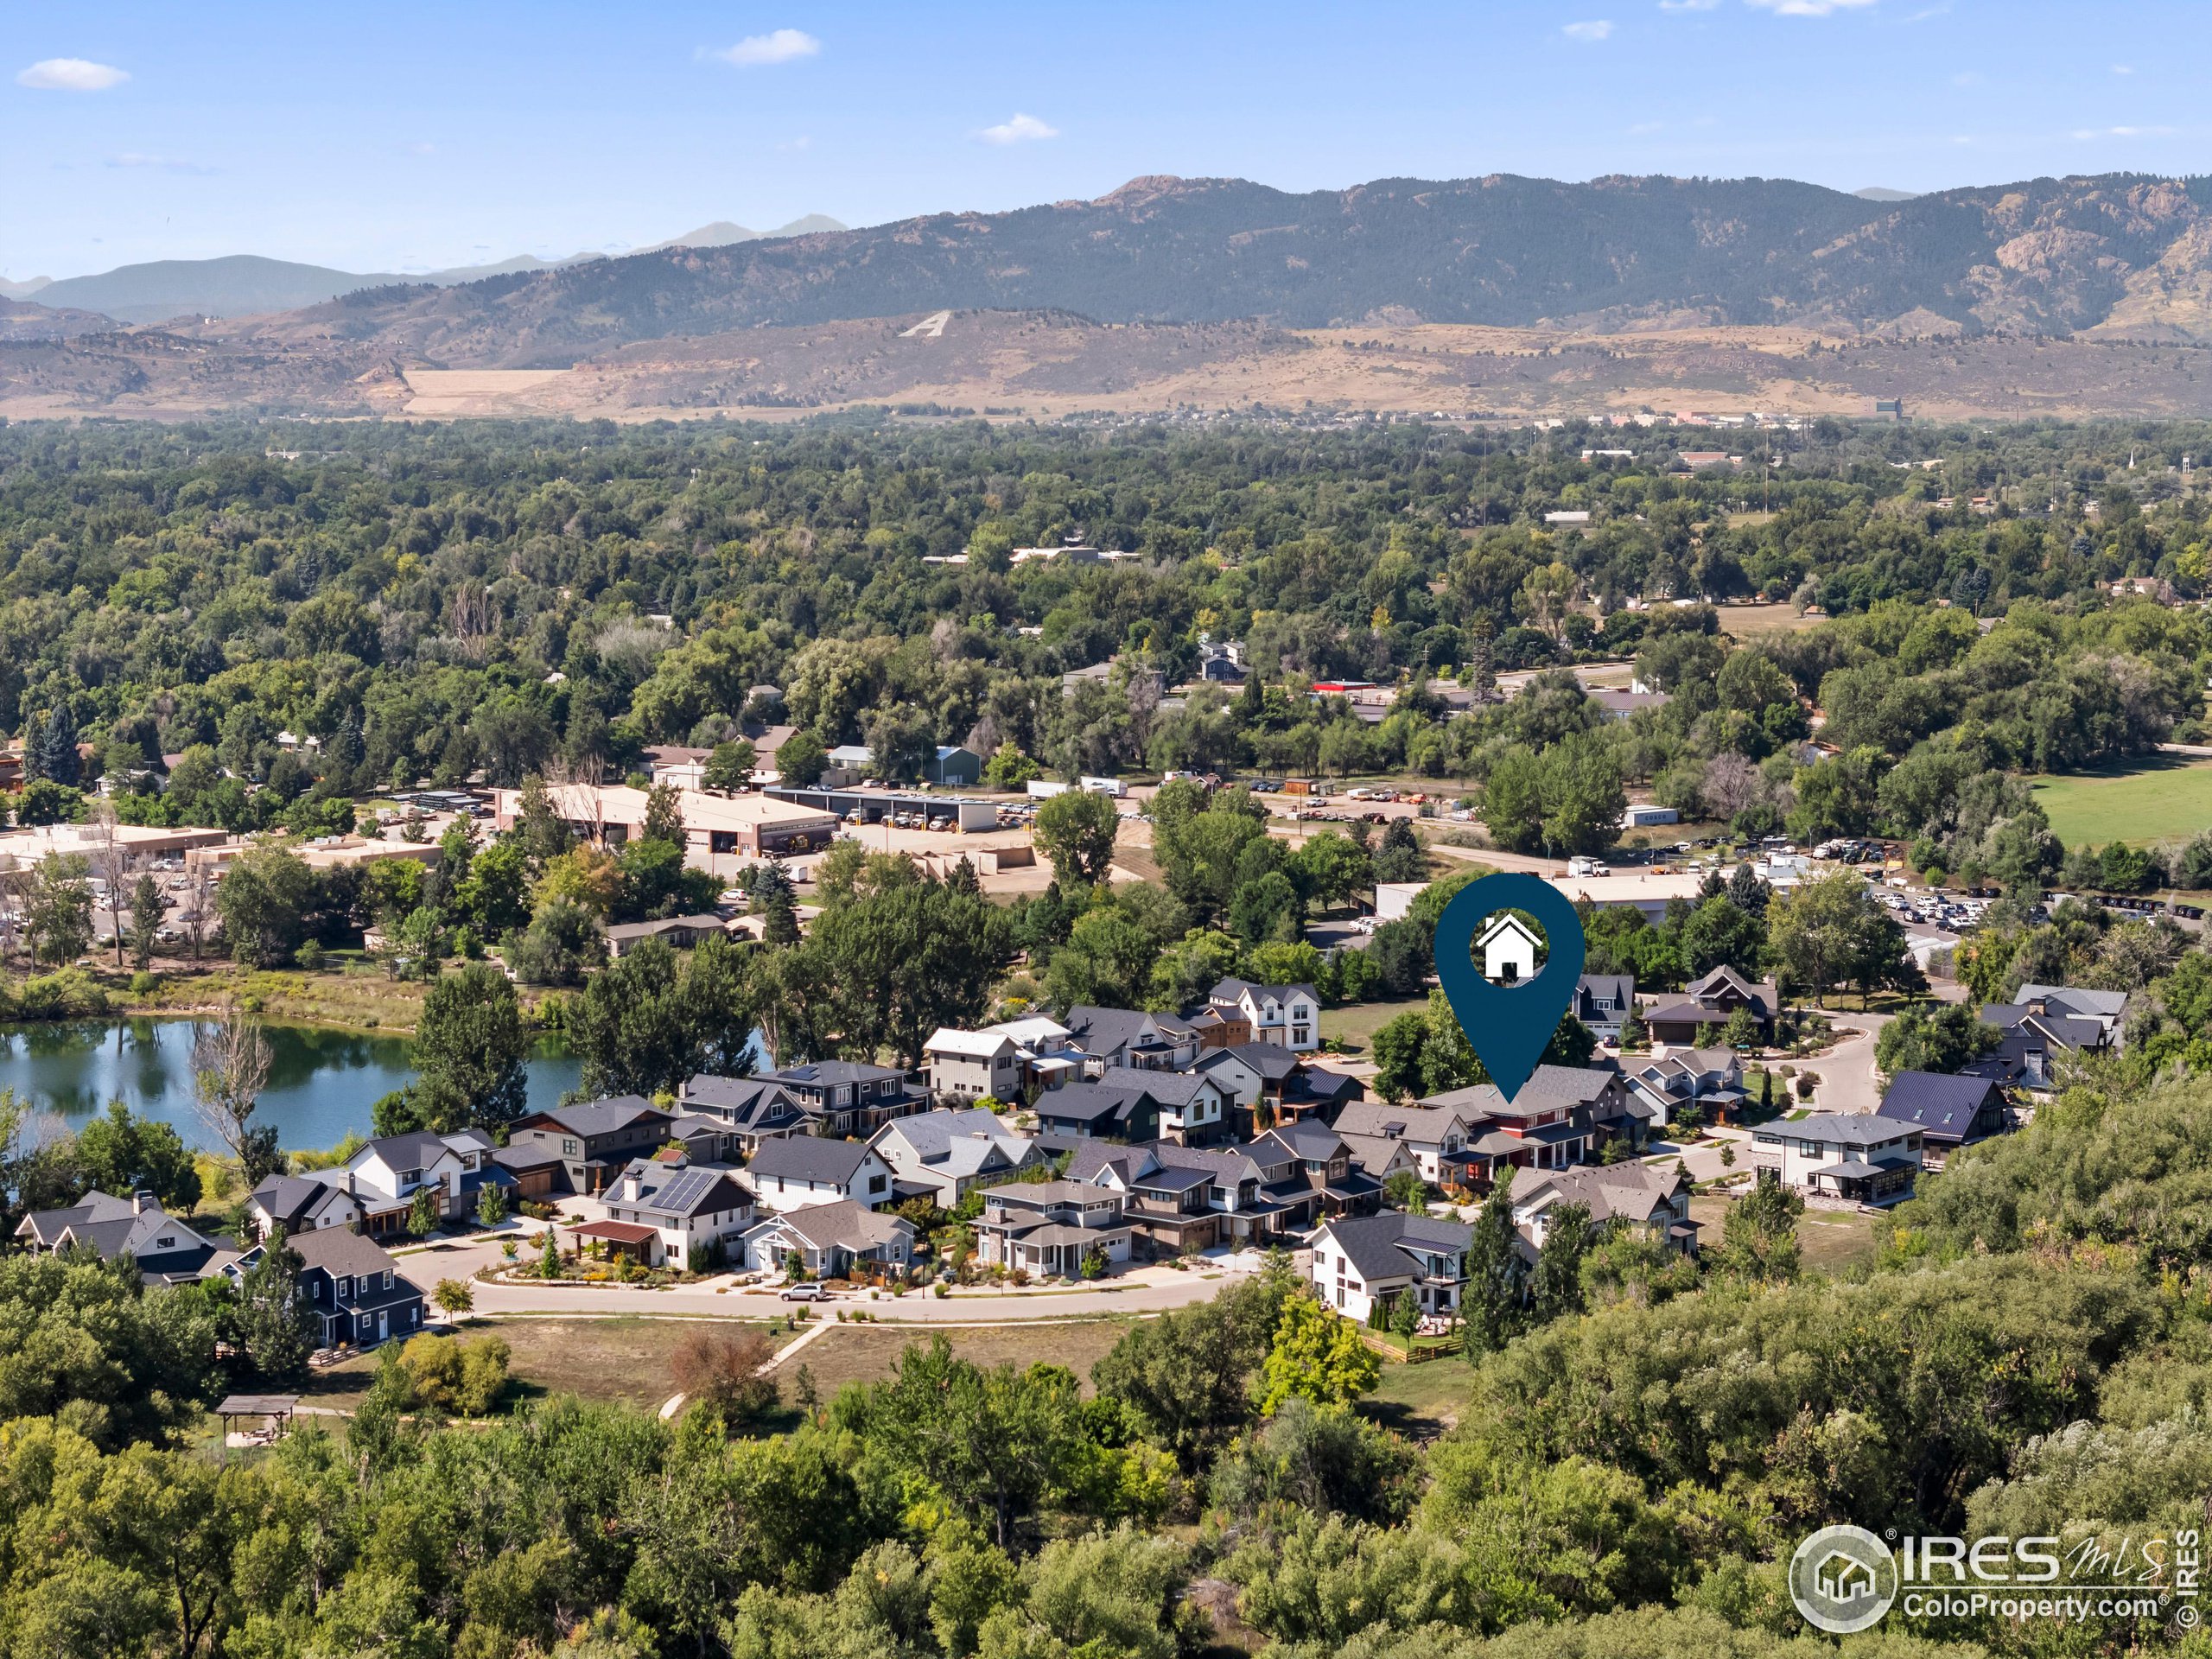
[[1944, 1106], [592, 1118], [809, 1158], [1371, 1241]]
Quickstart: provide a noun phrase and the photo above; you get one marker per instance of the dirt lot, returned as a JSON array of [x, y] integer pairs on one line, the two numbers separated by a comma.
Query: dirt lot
[[1828, 1241], [622, 1361]]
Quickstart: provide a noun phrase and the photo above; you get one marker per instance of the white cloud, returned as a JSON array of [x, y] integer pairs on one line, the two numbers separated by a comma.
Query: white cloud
[[1689, 5], [132, 158], [800, 142], [2123, 68], [1645, 129], [1806, 8], [72, 75], [2122, 132], [779, 46], [1596, 29], [1021, 129]]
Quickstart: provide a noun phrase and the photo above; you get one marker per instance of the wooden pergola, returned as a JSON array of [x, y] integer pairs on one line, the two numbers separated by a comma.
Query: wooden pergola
[[274, 1409]]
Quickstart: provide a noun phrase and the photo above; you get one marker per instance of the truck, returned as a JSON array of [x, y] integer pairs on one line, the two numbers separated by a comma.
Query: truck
[[1112, 786], [1041, 791]]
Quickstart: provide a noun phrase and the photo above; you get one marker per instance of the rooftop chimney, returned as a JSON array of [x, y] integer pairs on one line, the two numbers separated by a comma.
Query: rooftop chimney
[[141, 1201]]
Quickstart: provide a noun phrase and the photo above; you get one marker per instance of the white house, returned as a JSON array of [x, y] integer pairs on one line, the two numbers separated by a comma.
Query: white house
[[1649, 1198], [1862, 1158], [1193, 1105], [1361, 1259], [973, 1065], [801, 1170], [1052, 1227], [829, 1240], [688, 1207], [375, 1188], [1509, 948], [951, 1153], [1288, 1015]]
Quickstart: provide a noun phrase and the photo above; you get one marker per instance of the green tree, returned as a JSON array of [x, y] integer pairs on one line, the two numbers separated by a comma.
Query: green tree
[[146, 908], [730, 767], [1830, 932], [264, 895], [1076, 829], [1493, 1303], [58, 910], [559, 947], [470, 1041], [1945, 1037], [1555, 1285], [1315, 1355], [269, 1318], [1759, 1236], [802, 761], [121, 1155]]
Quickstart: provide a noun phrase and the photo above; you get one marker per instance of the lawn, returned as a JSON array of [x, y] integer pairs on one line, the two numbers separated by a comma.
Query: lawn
[[1356, 1024], [1421, 1400], [2163, 799], [1828, 1241]]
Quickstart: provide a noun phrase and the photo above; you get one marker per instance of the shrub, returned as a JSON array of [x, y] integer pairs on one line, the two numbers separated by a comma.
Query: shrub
[[723, 1369], [447, 1374]]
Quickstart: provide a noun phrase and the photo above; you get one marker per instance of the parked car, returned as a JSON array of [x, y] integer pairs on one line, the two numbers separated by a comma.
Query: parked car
[[804, 1293]]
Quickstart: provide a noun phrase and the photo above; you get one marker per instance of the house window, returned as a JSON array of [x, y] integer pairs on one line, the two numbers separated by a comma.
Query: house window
[[387, 1278], [345, 1286], [567, 1148]]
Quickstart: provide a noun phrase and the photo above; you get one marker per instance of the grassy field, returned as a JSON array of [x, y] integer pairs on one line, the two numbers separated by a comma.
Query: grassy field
[[2163, 798], [1356, 1023], [1420, 1400], [1828, 1241], [610, 1360]]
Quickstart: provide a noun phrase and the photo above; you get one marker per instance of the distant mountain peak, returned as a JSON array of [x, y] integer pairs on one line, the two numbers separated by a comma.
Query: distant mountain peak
[[724, 233], [1882, 193]]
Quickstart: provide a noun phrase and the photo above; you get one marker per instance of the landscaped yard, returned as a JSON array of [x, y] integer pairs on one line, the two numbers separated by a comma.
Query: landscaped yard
[[2161, 799]]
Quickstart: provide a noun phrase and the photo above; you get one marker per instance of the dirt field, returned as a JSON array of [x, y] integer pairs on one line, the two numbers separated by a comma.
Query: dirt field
[[611, 1361], [1828, 1241]]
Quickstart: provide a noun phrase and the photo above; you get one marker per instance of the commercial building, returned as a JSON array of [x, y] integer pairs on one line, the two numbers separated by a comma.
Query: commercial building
[[722, 833]]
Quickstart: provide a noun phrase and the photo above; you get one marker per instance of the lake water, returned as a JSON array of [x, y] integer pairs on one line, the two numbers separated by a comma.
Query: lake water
[[321, 1084]]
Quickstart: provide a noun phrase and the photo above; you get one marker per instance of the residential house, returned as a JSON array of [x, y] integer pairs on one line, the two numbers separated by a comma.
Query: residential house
[[849, 764], [1326, 1160], [1600, 1098], [1146, 1042], [1693, 1016], [1378, 1157], [973, 1065], [1435, 1138], [1602, 1002], [301, 1204], [1093, 1111], [1861, 1158], [1949, 1112], [752, 1109], [1360, 1262], [693, 1210], [1668, 1082], [591, 1141], [1053, 1227], [2042, 1023], [1533, 1130], [1221, 662], [1045, 1050], [1267, 1076], [357, 1294], [801, 1170], [847, 1096], [1653, 1201], [1192, 1107], [165, 1249], [946, 1154], [1221, 1027], [1287, 1015], [831, 1241], [375, 1189], [681, 932], [1183, 1197]]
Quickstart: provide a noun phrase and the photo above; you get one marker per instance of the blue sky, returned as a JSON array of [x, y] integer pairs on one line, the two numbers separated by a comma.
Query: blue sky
[[408, 136]]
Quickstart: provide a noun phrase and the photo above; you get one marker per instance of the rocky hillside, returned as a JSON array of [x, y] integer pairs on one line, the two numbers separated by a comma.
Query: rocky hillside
[[2054, 256]]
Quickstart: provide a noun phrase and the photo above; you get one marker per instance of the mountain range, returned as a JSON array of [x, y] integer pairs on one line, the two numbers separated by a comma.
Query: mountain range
[[243, 284], [1506, 295], [2050, 256]]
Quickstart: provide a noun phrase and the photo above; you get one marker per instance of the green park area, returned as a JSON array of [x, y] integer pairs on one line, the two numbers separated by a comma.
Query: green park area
[[2165, 799]]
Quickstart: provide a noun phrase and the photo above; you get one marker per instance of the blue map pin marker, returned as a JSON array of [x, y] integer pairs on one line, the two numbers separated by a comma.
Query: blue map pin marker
[[1509, 1026]]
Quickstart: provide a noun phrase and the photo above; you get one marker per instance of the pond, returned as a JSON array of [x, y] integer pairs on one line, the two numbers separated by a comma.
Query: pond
[[321, 1084]]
